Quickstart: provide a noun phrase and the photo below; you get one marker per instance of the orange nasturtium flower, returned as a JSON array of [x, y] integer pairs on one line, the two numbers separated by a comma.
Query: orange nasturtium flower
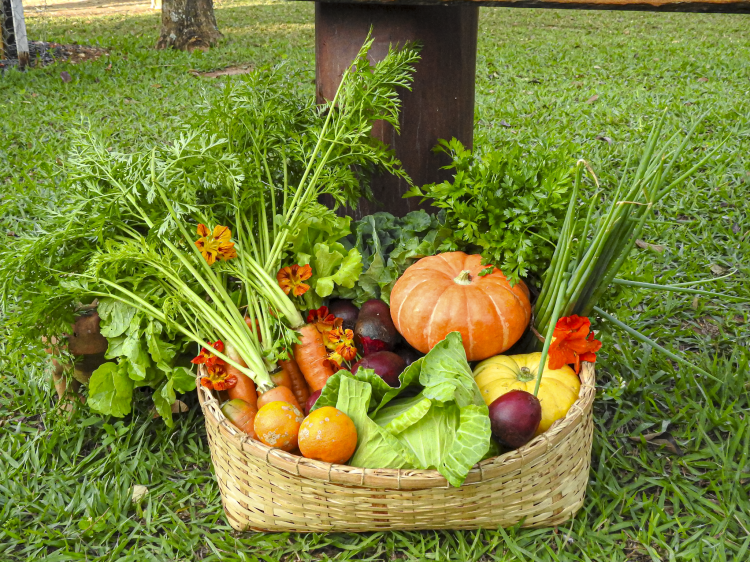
[[215, 245], [572, 342], [322, 319], [217, 375], [325, 322], [291, 279], [344, 341]]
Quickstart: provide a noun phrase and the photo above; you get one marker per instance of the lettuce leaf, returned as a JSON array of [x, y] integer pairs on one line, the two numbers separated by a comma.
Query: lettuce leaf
[[382, 450], [388, 246], [335, 265], [381, 391]]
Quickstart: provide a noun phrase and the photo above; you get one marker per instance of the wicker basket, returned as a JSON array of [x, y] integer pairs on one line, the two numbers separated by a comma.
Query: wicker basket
[[542, 484]]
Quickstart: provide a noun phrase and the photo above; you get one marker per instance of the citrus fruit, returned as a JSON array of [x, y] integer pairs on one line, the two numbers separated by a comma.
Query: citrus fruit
[[328, 435], [277, 425]]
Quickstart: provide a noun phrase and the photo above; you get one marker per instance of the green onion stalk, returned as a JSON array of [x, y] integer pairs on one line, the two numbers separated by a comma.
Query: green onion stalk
[[590, 252]]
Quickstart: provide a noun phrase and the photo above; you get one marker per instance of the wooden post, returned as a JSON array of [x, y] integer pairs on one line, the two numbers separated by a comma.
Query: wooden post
[[441, 103], [19, 27]]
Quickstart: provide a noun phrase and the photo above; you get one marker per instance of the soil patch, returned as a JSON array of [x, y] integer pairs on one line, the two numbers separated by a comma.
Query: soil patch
[[43, 53]]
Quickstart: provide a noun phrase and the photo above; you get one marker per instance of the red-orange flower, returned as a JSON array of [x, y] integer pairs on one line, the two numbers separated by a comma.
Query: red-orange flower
[[572, 342], [335, 361], [215, 245], [322, 319], [217, 376], [291, 278], [344, 342]]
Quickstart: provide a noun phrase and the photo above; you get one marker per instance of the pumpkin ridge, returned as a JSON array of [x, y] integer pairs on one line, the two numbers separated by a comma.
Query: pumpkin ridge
[[503, 321], [452, 266], [506, 286], [428, 325], [405, 298], [469, 323]]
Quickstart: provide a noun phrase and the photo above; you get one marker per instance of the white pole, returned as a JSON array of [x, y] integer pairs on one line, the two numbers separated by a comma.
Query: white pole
[[19, 28]]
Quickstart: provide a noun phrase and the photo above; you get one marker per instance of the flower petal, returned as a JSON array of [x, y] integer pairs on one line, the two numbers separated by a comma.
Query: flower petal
[[300, 289], [305, 272], [222, 233]]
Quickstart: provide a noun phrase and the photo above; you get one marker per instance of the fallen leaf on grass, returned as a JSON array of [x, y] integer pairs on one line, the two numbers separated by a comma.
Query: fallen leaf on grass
[[604, 139], [661, 438], [703, 79], [593, 98], [139, 492], [179, 407], [718, 270], [695, 302], [646, 246], [504, 123], [66, 77]]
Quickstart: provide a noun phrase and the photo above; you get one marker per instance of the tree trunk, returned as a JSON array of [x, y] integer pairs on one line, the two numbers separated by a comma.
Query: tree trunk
[[188, 25]]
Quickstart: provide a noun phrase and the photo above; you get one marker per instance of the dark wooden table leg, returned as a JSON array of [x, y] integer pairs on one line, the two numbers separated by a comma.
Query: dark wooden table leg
[[441, 104]]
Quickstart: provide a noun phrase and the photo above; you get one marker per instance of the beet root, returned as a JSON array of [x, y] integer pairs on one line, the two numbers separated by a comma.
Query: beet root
[[374, 330], [311, 401], [345, 310], [408, 354], [515, 417], [386, 364]]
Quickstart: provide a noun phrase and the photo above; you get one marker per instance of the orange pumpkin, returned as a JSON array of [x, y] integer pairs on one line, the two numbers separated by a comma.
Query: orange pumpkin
[[445, 293]]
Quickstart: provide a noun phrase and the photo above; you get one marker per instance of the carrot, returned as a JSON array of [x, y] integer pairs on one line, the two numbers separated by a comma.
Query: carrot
[[278, 394], [282, 378], [310, 355], [241, 414], [245, 387], [299, 385]]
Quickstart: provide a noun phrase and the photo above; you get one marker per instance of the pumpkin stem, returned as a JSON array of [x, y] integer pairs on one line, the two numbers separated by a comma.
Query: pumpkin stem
[[464, 278], [525, 374]]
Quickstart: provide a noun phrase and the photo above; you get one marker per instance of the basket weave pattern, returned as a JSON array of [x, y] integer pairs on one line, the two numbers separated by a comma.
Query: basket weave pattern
[[542, 483]]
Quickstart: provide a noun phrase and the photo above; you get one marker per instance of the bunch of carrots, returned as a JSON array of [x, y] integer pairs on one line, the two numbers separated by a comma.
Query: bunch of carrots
[[324, 347]]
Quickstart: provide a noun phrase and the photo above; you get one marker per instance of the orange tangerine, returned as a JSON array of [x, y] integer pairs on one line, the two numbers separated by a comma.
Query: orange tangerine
[[328, 435], [277, 425]]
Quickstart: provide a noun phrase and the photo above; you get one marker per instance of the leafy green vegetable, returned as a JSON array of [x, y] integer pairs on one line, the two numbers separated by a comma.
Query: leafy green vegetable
[[388, 246], [444, 427], [111, 390], [334, 265], [508, 204], [143, 356], [383, 449]]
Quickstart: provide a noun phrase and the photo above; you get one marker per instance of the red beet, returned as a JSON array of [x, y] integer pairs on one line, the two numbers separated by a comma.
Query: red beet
[[386, 364], [515, 417], [311, 401], [374, 330], [345, 310], [408, 354], [375, 306]]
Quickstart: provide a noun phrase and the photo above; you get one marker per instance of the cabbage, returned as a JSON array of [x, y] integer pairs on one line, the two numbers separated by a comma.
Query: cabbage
[[436, 418]]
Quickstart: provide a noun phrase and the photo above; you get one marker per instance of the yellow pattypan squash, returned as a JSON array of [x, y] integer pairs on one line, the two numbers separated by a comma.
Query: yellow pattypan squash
[[557, 391]]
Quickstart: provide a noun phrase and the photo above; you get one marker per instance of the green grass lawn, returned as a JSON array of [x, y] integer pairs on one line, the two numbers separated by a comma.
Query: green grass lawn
[[560, 77]]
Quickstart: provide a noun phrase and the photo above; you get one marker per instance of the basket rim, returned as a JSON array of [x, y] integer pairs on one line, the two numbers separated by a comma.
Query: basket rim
[[392, 478]]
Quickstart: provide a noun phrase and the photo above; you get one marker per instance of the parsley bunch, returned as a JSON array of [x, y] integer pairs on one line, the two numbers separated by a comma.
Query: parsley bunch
[[508, 204]]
